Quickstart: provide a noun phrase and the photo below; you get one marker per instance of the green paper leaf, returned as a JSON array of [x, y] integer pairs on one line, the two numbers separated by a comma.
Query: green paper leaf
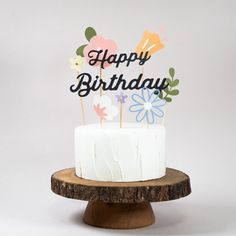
[[168, 99], [175, 83], [168, 80], [174, 92], [80, 50], [161, 95], [166, 90], [90, 33], [172, 72]]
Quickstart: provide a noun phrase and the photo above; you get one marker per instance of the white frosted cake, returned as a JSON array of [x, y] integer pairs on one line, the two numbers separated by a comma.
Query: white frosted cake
[[133, 153]]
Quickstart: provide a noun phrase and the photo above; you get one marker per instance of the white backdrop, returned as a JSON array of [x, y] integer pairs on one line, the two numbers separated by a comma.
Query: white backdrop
[[39, 113]]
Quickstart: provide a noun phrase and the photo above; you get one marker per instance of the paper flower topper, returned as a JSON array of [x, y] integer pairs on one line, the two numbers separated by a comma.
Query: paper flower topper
[[96, 43], [153, 92], [76, 63], [148, 106], [99, 43], [103, 107], [150, 43], [121, 97]]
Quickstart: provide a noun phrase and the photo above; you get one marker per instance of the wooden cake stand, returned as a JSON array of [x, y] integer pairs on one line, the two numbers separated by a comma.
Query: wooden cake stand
[[120, 205]]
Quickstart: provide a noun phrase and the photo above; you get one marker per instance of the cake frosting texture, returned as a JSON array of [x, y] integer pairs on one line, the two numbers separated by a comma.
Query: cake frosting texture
[[110, 153]]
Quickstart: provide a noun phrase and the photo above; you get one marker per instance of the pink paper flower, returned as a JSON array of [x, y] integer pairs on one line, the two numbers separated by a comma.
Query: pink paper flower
[[100, 111], [99, 43], [103, 107]]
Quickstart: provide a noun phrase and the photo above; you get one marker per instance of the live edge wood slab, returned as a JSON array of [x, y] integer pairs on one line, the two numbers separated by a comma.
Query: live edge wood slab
[[120, 205]]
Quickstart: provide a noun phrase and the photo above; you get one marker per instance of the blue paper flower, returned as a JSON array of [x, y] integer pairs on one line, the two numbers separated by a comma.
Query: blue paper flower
[[148, 105]]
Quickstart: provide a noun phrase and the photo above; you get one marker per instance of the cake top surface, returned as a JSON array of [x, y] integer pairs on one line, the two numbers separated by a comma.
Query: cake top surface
[[114, 126]]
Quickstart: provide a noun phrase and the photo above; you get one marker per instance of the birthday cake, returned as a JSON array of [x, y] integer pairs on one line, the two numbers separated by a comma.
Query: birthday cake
[[121, 151], [110, 153]]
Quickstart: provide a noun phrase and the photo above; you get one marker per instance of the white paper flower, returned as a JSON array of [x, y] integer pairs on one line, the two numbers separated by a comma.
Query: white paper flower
[[103, 107], [76, 63]]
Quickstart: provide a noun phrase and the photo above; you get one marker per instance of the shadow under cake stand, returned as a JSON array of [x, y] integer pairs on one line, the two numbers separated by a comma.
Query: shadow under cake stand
[[120, 205]]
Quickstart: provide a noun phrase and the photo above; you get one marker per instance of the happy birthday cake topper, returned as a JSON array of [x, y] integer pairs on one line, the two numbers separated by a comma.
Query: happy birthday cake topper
[[150, 94]]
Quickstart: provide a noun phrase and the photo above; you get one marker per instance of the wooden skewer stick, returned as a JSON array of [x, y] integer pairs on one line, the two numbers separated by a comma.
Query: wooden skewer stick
[[145, 124], [100, 76], [82, 109], [101, 122], [100, 91], [142, 73]]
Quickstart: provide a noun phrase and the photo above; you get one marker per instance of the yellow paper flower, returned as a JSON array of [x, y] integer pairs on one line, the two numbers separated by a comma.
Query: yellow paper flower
[[150, 43], [76, 63]]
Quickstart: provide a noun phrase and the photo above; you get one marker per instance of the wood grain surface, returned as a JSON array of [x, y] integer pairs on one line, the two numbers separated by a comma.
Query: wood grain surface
[[175, 184]]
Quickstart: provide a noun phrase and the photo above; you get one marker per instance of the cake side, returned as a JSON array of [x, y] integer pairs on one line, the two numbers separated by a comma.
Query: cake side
[[133, 153]]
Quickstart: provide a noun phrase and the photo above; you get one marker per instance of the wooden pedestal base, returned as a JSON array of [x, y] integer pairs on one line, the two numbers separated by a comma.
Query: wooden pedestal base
[[120, 205], [118, 215]]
